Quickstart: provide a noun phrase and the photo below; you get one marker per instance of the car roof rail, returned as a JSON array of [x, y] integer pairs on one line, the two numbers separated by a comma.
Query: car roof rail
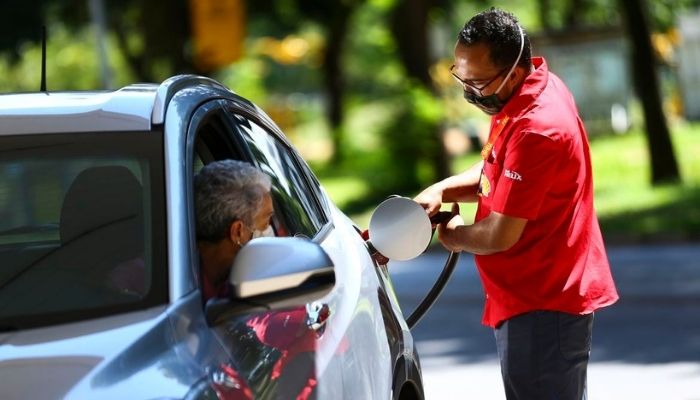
[[172, 85]]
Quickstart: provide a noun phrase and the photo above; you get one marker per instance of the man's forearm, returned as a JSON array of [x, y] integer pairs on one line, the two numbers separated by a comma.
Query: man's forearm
[[478, 238], [462, 187], [493, 234]]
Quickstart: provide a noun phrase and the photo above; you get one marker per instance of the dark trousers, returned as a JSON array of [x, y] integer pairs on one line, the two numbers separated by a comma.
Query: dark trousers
[[544, 355]]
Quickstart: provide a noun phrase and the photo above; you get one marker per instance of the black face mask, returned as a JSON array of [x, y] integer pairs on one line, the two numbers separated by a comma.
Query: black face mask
[[490, 104]]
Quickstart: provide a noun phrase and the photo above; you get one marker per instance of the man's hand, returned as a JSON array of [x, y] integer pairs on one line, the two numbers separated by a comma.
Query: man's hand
[[448, 233], [430, 199]]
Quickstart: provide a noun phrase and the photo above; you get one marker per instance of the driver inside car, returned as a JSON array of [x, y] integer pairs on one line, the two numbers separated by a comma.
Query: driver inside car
[[233, 205]]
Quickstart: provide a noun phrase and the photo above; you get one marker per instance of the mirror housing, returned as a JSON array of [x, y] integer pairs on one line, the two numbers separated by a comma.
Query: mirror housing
[[273, 264], [275, 272]]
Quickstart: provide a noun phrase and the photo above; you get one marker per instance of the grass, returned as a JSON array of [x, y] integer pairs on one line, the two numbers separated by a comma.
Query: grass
[[629, 208]]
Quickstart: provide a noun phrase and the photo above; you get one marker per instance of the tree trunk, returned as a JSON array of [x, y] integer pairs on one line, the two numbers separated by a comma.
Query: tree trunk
[[333, 75], [164, 27], [409, 26], [543, 7], [575, 13], [664, 167]]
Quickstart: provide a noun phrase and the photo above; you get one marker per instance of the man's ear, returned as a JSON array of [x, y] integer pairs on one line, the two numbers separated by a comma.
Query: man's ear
[[235, 232], [519, 74], [516, 78]]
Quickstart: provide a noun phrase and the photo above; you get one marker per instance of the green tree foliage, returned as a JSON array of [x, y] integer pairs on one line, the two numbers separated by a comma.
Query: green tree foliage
[[334, 17], [635, 16], [372, 51], [153, 35], [410, 26], [71, 63], [578, 14]]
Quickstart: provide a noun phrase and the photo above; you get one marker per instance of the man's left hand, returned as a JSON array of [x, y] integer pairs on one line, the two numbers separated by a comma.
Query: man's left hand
[[448, 232]]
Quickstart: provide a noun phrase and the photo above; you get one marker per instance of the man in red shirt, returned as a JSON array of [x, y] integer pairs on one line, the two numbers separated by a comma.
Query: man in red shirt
[[536, 239]]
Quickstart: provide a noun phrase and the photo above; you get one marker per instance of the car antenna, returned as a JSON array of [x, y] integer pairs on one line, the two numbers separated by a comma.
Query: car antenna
[[43, 59]]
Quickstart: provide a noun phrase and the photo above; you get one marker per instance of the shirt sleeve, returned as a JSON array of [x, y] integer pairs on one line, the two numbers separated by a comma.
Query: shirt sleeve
[[530, 167]]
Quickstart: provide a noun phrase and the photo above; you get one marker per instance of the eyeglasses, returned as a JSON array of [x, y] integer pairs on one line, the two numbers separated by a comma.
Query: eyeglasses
[[470, 87]]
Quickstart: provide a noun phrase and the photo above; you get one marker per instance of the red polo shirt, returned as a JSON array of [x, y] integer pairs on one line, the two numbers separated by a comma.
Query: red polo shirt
[[540, 169]]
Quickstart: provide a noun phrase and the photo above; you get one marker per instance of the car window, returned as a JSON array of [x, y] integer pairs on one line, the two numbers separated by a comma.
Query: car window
[[197, 165], [81, 226], [315, 186], [295, 203]]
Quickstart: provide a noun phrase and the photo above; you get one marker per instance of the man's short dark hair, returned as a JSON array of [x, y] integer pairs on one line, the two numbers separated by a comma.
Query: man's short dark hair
[[499, 30]]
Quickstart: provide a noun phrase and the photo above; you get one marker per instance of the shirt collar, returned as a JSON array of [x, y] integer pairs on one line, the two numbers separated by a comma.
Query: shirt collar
[[528, 91]]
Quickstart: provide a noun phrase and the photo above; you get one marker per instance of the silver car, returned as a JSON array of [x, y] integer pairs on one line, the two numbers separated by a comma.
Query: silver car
[[100, 292]]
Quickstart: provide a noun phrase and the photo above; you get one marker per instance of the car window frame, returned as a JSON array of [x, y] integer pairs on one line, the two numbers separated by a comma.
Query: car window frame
[[240, 150], [311, 185], [199, 117]]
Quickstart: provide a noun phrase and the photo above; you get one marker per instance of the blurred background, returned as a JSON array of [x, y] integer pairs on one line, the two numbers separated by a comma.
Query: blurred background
[[363, 89]]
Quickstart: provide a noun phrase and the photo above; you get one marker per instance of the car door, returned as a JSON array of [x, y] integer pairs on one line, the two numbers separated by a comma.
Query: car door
[[269, 352], [352, 358]]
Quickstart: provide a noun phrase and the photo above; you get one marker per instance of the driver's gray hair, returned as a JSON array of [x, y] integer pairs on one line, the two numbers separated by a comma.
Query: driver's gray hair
[[226, 191]]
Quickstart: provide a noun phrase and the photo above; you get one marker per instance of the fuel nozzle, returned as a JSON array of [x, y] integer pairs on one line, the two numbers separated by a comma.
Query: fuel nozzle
[[440, 217]]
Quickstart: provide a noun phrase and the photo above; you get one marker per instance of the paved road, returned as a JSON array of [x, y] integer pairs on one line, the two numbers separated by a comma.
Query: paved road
[[647, 346]]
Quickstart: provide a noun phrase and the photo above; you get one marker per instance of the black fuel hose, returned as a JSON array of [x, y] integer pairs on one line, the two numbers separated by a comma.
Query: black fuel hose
[[441, 281], [439, 285], [435, 292]]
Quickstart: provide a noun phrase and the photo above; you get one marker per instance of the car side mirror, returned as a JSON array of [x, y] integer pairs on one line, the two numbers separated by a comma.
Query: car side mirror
[[279, 264], [275, 272]]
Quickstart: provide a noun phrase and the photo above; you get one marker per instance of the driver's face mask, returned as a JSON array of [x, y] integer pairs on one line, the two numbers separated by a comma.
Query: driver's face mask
[[267, 232], [491, 104]]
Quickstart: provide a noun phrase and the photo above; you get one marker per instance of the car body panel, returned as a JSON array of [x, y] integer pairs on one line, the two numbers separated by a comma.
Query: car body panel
[[348, 357], [361, 348], [174, 86], [177, 149], [155, 353], [180, 259], [88, 348]]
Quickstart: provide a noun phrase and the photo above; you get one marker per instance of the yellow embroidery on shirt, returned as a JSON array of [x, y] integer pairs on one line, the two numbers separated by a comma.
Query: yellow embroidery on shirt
[[484, 185]]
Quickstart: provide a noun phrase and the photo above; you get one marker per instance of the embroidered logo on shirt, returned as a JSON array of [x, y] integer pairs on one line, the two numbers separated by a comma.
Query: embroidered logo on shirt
[[513, 175], [484, 186]]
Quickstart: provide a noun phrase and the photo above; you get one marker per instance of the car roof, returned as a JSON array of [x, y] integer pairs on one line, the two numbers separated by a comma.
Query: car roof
[[135, 107], [125, 109]]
